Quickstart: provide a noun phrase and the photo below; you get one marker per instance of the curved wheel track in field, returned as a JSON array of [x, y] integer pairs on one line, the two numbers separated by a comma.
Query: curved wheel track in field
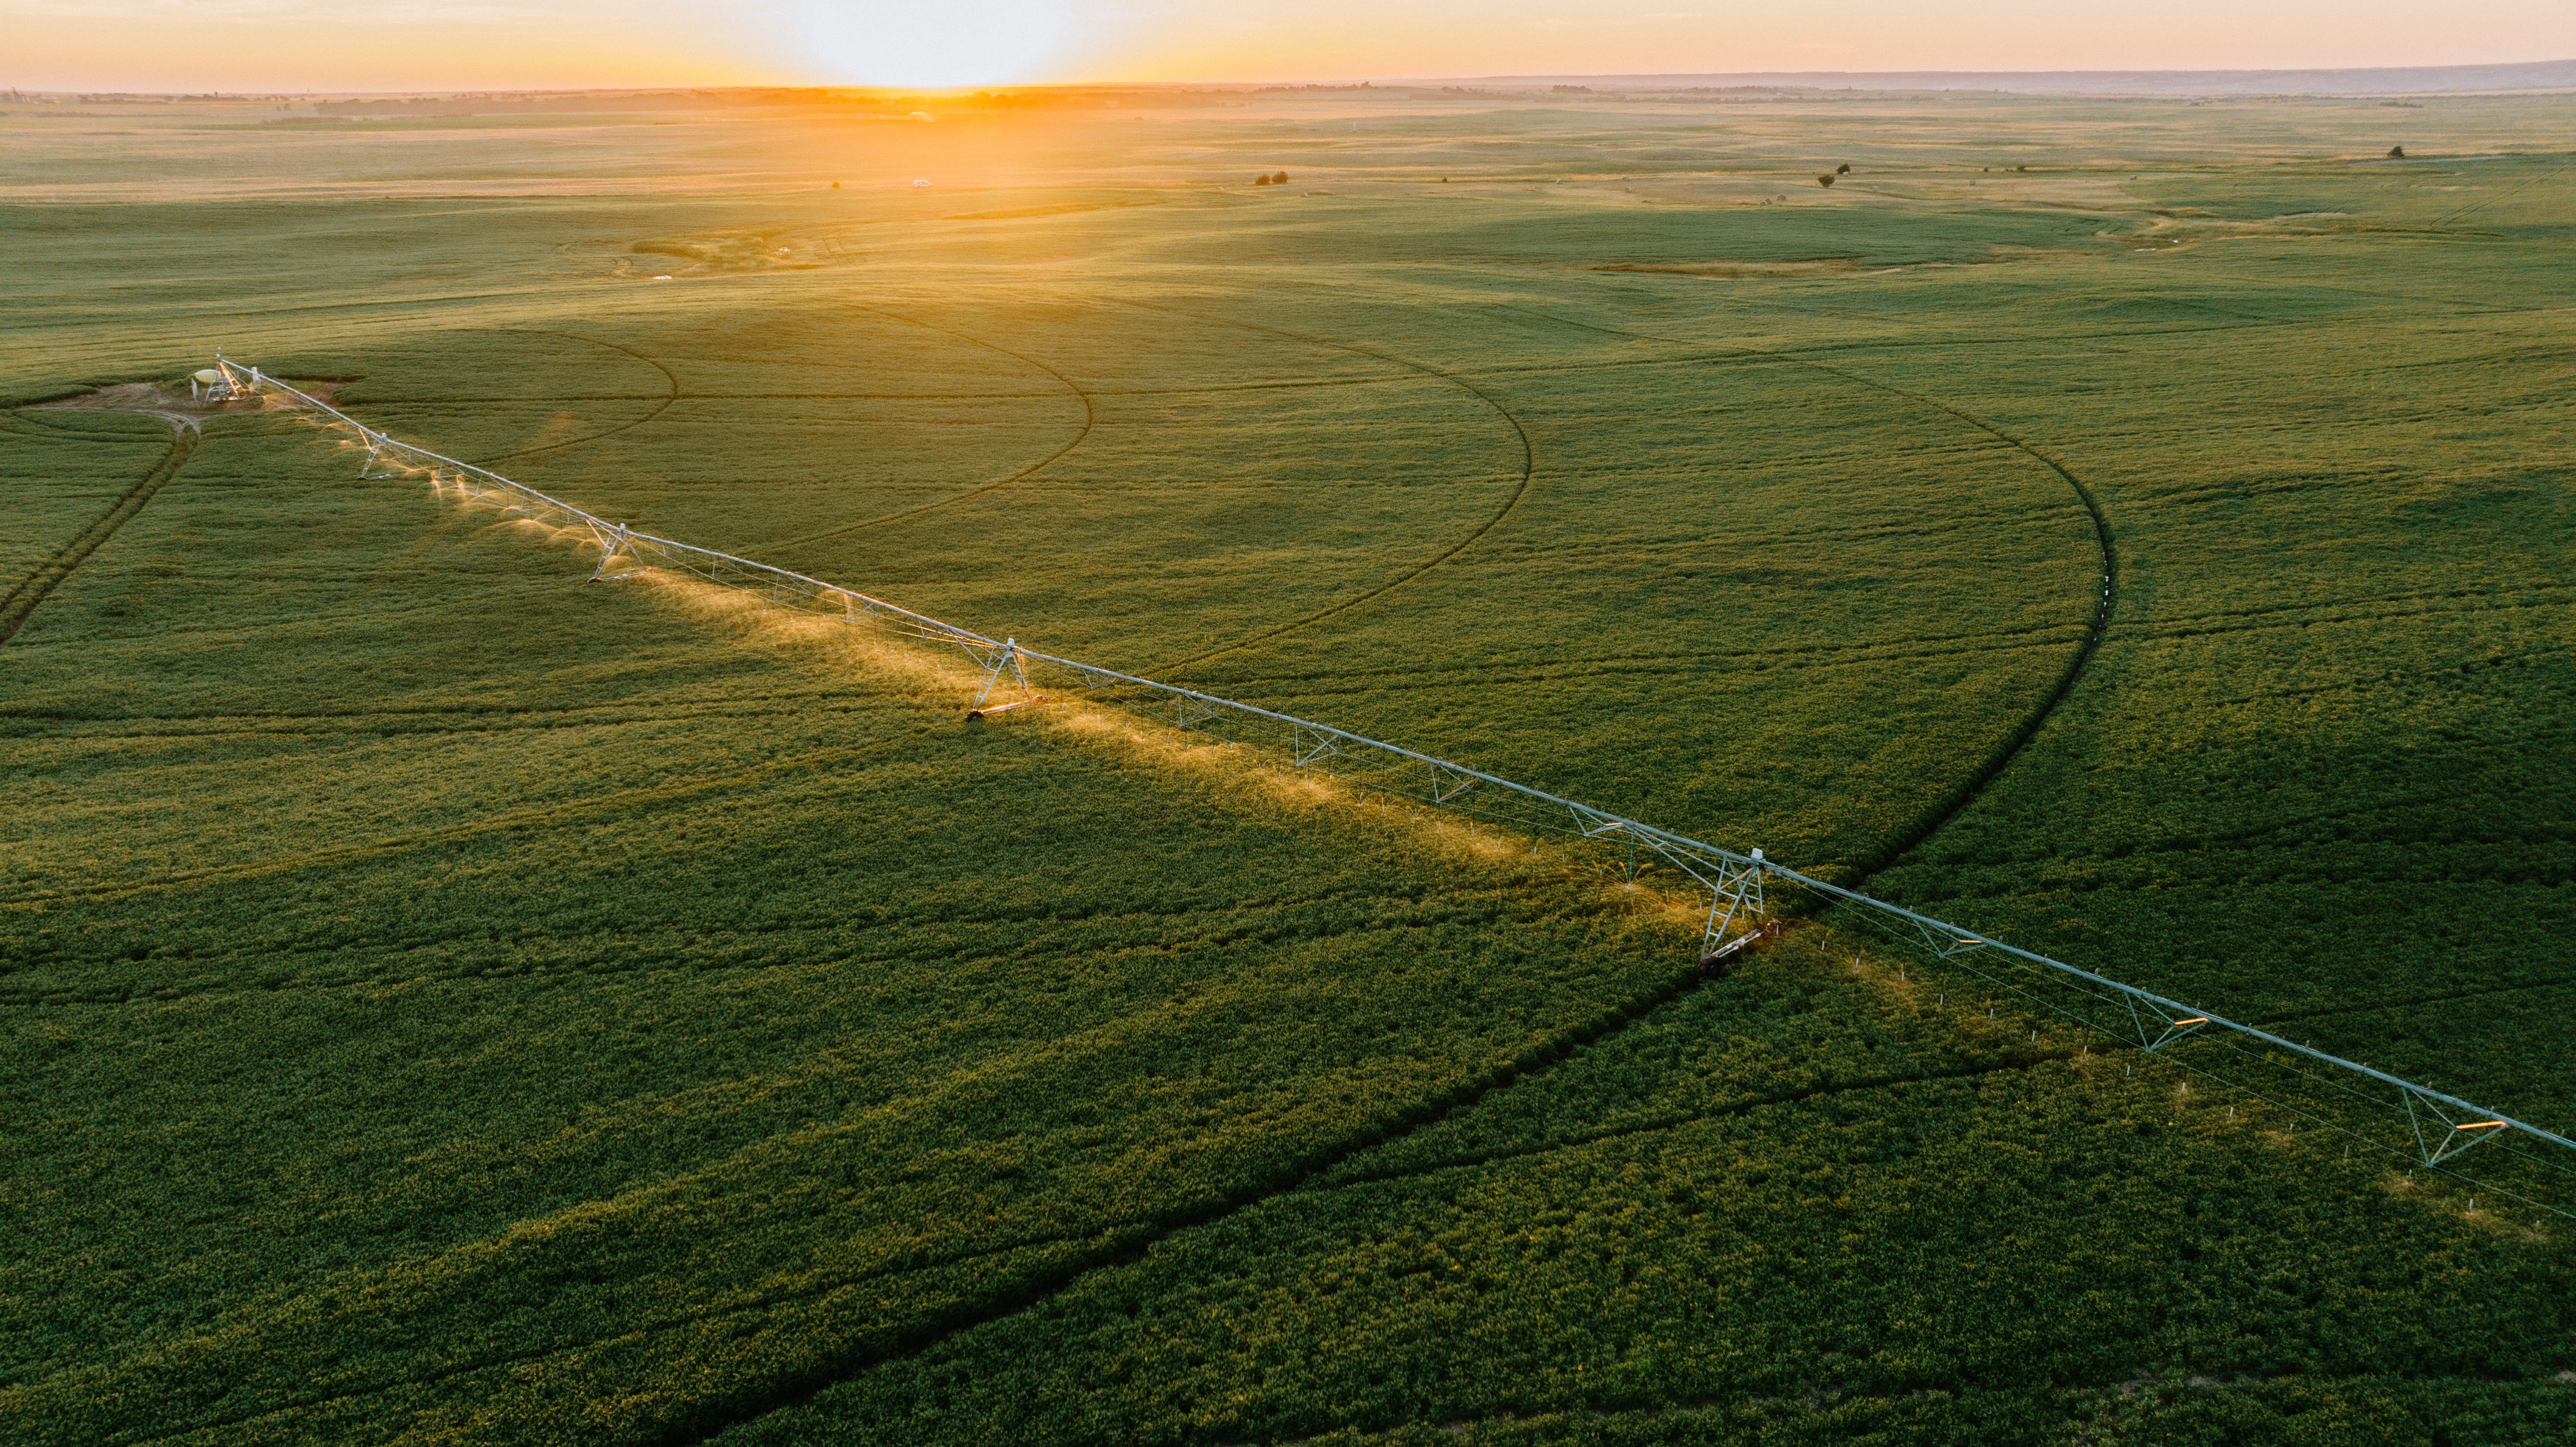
[[1308, 1174], [674, 395], [668, 377], [1090, 416], [22, 599], [1115, 1247], [670, 380], [1529, 469], [1895, 846], [1126, 1245]]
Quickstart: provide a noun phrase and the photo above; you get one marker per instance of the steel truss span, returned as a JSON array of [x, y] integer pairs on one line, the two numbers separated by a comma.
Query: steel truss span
[[2347, 1102]]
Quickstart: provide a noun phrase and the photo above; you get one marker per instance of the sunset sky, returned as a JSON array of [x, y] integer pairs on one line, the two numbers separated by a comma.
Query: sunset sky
[[338, 45]]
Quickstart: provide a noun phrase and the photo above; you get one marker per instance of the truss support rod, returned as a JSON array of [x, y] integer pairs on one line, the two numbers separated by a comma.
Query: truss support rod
[[612, 541], [1008, 656]]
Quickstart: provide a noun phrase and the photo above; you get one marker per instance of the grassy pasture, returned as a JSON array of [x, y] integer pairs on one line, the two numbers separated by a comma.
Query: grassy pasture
[[447, 1002]]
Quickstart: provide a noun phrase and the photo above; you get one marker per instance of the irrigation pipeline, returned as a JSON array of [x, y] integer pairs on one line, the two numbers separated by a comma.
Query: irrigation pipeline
[[2436, 1127]]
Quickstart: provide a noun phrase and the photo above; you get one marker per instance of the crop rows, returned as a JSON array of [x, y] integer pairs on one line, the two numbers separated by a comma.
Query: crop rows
[[446, 1001]]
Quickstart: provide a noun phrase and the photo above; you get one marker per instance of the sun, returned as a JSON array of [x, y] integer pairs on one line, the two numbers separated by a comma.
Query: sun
[[937, 44]]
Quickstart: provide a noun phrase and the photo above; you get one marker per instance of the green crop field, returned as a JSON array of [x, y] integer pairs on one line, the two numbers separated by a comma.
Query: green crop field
[[446, 1002]]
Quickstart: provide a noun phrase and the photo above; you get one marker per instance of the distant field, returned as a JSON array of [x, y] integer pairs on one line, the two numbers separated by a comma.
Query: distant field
[[448, 1002]]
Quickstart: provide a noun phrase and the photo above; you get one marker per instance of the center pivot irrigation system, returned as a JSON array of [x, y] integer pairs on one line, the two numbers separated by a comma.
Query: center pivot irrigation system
[[2364, 1106]]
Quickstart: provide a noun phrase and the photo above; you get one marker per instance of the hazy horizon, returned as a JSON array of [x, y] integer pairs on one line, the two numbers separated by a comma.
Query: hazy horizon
[[388, 45], [2493, 78]]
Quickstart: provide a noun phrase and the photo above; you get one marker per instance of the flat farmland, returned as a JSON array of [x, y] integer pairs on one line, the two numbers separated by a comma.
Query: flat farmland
[[447, 1001]]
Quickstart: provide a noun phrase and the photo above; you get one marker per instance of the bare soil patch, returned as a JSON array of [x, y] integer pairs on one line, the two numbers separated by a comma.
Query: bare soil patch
[[171, 402]]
